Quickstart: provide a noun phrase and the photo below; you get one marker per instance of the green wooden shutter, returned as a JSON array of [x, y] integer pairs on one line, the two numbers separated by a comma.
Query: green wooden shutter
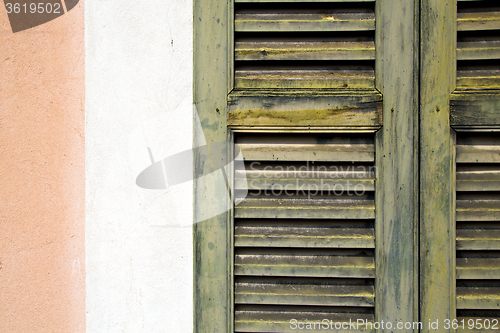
[[460, 162], [288, 83]]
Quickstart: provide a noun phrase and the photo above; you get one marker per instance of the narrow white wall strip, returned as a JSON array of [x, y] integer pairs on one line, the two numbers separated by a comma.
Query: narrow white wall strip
[[138, 85]]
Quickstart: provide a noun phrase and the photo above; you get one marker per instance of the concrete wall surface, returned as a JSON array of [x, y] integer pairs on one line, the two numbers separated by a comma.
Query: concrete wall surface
[[42, 176]]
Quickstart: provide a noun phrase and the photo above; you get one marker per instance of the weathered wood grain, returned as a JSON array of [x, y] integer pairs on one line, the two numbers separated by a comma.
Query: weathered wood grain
[[293, 20], [475, 109], [437, 178], [362, 109]]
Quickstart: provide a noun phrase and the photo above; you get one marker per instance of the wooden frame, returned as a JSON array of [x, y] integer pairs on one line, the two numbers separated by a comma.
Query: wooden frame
[[437, 163]]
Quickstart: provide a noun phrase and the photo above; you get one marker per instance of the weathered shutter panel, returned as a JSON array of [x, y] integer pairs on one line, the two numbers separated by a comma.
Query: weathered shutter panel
[[474, 114], [304, 44], [478, 225], [304, 233], [304, 81]]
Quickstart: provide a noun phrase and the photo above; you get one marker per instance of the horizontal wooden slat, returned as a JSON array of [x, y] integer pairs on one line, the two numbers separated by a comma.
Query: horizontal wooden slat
[[306, 208], [301, 262], [294, 20], [303, 292], [478, 20], [478, 268], [478, 210], [304, 78], [478, 50], [306, 170], [475, 109], [266, 234], [355, 152], [478, 298], [471, 239], [282, 49], [271, 109], [281, 319]]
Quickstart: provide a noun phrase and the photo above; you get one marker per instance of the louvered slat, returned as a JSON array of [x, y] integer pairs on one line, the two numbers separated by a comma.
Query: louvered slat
[[297, 45], [301, 242], [304, 49], [279, 318], [478, 223], [306, 148], [478, 298], [292, 20], [479, 19]]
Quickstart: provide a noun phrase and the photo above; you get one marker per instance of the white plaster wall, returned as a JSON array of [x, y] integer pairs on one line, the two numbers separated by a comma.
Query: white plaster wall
[[138, 94]]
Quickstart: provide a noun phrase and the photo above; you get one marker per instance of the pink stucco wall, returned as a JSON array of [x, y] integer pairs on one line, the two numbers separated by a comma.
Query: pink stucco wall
[[42, 176]]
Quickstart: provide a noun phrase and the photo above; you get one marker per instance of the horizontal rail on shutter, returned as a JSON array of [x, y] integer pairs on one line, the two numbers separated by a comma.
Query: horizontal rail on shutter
[[278, 319], [321, 234], [303, 291], [362, 109], [473, 109], [304, 262], [303, 20], [306, 49]]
